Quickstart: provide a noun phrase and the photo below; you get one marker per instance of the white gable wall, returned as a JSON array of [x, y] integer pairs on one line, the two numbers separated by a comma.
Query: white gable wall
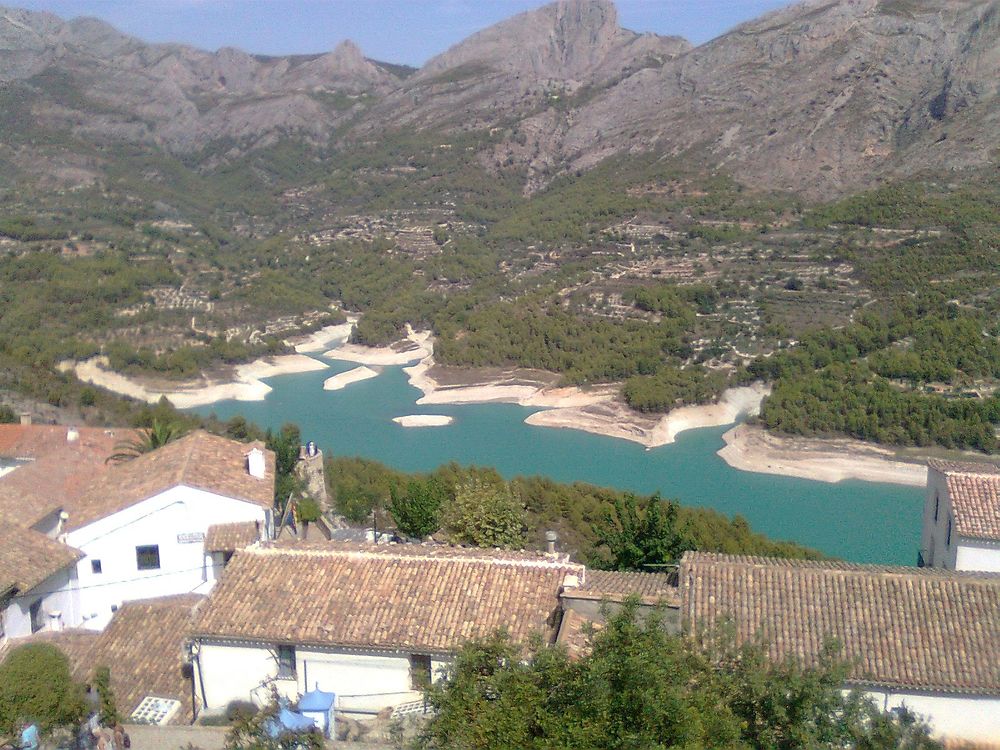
[[58, 593], [977, 554], [973, 718], [176, 521]]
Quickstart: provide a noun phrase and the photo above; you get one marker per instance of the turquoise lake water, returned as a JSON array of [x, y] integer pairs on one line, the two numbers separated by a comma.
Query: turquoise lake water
[[858, 521]]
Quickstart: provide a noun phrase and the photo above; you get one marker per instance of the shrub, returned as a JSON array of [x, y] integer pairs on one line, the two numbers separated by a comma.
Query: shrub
[[35, 685]]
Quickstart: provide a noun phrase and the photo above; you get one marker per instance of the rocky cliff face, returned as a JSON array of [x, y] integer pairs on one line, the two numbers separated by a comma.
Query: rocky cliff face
[[823, 97]]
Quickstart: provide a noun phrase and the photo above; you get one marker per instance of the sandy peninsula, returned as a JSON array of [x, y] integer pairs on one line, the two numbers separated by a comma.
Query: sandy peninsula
[[613, 418], [244, 384], [414, 347], [424, 420], [321, 340], [344, 379], [751, 448]]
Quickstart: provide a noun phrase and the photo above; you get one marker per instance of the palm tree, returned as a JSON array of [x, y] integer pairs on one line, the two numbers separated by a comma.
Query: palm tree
[[156, 436]]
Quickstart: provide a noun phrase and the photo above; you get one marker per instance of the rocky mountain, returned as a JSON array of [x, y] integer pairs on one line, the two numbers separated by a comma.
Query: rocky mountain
[[824, 97], [89, 78]]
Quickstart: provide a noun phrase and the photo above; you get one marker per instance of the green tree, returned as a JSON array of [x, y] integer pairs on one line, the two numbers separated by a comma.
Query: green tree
[[108, 706], [285, 443], [640, 687], [485, 514], [639, 538], [36, 685], [416, 509], [155, 436]]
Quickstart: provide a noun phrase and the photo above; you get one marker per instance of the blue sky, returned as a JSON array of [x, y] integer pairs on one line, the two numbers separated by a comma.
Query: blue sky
[[401, 31]]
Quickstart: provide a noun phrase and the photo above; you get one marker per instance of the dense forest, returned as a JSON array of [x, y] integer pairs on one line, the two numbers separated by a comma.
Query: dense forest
[[580, 513]]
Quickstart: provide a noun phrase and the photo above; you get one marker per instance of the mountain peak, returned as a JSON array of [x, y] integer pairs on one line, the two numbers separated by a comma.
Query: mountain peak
[[566, 40]]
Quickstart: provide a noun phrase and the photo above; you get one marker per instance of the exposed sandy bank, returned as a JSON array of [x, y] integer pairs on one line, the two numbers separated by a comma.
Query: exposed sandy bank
[[415, 346], [614, 419], [344, 379], [423, 420], [244, 385], [751, 448], [320, 340]]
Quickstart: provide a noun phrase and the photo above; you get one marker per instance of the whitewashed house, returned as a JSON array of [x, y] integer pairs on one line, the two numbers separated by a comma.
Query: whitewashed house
[[961, 529], [142, 526], [922, 638], [103, 534], [37, 582], [372, 624]]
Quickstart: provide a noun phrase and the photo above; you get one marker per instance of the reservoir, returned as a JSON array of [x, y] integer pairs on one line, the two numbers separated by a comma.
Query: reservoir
[[854, 520]]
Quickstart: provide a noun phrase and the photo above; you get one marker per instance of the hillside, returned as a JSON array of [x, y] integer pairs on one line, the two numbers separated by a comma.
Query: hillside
[[811, 198]]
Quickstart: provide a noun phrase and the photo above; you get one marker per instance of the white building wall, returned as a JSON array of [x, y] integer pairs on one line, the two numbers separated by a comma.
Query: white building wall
[[363, 680], [970, 718], [937, 551], [58, 593], [977, 554], [176, 521]]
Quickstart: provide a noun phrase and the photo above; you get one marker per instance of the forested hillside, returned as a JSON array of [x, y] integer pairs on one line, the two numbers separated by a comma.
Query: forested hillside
[[517, 214]]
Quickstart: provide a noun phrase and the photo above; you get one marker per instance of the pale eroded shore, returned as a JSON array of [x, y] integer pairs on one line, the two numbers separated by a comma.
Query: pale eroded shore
[[423, 420], [614, 419], [751, 448], [321, 340], [344, 379], [415, 346], [245, 385]]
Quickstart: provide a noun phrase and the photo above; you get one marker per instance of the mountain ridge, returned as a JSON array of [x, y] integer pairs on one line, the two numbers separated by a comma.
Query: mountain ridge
[[822, 98]]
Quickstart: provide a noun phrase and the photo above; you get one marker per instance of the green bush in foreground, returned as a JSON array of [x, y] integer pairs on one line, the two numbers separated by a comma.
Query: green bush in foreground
[[640, 688], [36, 685]]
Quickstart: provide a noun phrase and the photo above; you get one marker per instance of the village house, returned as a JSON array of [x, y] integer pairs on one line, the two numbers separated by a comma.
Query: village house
[[105, 534], [372, 624], [961, 529], [926, 639]]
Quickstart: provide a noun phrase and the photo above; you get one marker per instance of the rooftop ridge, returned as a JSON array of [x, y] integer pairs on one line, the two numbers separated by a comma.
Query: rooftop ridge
[[447, 555], [838, 567]]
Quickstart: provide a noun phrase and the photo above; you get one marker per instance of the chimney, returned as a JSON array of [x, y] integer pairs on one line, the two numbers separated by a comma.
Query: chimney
[[26, 417], [72, 435], [550, 542], [256, 464]]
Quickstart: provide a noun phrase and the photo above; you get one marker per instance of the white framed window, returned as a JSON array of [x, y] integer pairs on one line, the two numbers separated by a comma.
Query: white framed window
[[420, 671], [147, 557], [286, 662]]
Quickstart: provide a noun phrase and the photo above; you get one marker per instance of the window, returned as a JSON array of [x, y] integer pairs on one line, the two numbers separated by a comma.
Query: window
[[937, 503], [147, 557], [286, 662], [95, 567], [947, 542], [420, 671], [36, 616]]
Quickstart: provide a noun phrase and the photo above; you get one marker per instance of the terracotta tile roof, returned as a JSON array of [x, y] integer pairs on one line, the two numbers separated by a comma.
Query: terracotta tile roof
[[917, 628], [28, 557], [410, 598], [200, 460], [38, 440], [142, 646], [229, 537], [616, 586], [56, 471], [975, 497]]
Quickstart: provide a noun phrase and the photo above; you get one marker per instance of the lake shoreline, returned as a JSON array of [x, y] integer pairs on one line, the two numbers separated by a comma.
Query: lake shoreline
[[751, 448], [598, 410]]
